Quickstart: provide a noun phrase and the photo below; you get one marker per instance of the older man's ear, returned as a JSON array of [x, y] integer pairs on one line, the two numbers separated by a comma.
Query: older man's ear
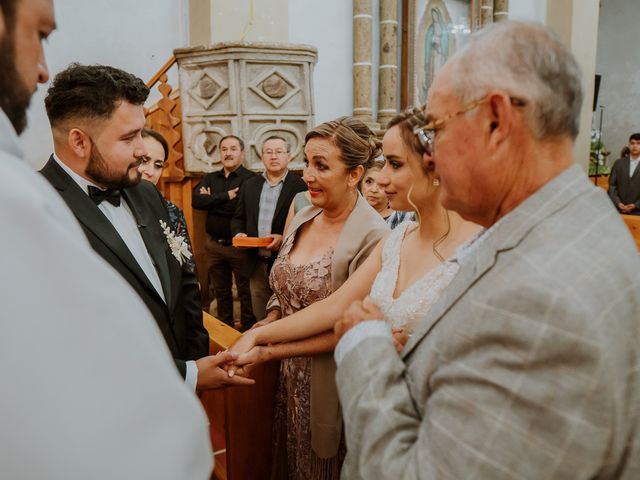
[[500, 118]]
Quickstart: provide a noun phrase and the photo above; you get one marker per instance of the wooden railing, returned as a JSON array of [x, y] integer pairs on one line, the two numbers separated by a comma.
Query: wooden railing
[[240, 418], [632, 221]]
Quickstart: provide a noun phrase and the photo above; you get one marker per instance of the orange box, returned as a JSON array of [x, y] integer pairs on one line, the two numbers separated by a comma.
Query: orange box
[[255, 242]]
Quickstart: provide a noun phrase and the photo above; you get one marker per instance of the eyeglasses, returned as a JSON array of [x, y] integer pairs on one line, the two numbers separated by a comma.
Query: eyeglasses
[[275, 152], [426, 132]]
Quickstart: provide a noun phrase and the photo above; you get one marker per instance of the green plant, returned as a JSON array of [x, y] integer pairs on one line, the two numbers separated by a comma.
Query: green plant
[[598, 154]]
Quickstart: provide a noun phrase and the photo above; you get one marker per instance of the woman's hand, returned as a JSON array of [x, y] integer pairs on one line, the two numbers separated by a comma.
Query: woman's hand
[[245, 363], [244, 344]]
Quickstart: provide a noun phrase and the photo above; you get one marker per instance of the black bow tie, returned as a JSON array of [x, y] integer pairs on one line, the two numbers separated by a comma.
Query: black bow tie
[[110, 195]]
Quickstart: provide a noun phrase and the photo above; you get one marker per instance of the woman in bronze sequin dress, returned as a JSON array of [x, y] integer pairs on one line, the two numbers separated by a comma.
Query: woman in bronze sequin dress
[[325, 243], [297, 286]]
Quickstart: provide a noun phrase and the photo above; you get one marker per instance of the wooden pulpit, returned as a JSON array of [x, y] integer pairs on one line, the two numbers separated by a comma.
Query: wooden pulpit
[[240, 418]]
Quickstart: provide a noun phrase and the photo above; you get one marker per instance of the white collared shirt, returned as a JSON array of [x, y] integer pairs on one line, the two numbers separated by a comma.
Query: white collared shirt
[[124, 222], [633, 164]]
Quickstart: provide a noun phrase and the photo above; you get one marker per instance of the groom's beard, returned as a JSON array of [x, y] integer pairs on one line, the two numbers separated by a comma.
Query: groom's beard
[[14, 94], [102, 174]]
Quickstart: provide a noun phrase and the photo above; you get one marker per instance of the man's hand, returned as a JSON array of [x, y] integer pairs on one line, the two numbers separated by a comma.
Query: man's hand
[[241, 235], [276, 241], [211, 375], [359, 311], [630, 207], [233, 193], [205, 191]]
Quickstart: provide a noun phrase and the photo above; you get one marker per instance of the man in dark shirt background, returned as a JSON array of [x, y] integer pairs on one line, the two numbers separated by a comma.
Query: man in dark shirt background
[[217, 193]]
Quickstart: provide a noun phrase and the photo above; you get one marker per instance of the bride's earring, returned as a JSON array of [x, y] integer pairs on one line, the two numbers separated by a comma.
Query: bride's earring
[[436, 182]]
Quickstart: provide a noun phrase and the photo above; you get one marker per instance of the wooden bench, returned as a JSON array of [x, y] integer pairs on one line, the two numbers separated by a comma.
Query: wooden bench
[[633, 223], [240, 418]]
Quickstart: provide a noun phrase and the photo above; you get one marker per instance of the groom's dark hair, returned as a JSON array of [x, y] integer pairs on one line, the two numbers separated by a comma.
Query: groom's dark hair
[[8, 8], [91, 92]]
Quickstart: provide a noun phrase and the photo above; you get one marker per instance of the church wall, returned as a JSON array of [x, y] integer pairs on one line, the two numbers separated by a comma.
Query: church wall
[[327, 26], [136, 36], [618, 61]]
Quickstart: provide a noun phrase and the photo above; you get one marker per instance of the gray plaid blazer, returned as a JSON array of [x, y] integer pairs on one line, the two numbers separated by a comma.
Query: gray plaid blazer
[[526, 368]]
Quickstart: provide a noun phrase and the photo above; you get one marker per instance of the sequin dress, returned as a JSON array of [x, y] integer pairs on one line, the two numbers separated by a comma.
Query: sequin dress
[[296, 287]]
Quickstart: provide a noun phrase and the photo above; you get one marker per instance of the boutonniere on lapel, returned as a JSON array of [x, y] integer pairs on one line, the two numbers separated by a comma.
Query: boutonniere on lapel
[[177, 245]]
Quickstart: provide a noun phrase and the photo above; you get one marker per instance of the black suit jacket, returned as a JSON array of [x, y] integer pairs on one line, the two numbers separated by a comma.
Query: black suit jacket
[[245, 218], [622, 188], [180, 318]]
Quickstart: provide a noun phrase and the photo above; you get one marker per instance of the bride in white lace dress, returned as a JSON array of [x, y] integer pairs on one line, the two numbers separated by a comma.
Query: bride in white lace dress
[[405, 273]]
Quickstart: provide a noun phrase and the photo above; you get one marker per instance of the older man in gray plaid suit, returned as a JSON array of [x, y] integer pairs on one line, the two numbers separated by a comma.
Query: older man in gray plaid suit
[[528, 366]]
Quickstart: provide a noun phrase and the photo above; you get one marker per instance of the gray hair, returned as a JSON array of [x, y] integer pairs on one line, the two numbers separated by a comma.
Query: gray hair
[[529, 62]]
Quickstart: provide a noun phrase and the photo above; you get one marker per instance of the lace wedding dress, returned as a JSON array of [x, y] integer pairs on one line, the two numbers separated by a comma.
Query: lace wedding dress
[[414, 302]]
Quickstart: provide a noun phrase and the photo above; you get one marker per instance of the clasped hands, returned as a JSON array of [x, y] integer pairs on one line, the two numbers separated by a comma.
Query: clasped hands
[[249, 352], [358, 312], [626, 208]]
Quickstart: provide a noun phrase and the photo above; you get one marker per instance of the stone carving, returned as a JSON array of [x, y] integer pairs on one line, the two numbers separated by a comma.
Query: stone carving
[[208, 87], [203, 143], [252, 90], [275, 86]]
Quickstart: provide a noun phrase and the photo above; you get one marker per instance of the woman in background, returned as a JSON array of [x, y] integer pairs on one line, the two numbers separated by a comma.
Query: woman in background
[[373, 193], [151, 170]]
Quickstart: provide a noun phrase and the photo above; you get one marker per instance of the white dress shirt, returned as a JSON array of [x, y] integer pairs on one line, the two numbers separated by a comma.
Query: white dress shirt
[[633, 164], [123, 220]]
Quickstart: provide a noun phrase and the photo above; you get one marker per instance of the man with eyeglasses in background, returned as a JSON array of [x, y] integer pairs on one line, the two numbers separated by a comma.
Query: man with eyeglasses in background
[[262, 212], [528, 366], [217, 193]]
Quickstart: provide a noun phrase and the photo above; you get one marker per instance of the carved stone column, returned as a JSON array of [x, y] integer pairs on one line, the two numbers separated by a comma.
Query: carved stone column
[[362, 59], [388, 70], [486, 13], [500, 10], [252, 90]]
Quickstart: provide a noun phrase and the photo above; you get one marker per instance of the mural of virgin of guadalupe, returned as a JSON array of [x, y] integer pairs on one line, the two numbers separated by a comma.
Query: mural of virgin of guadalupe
[[436, 50]]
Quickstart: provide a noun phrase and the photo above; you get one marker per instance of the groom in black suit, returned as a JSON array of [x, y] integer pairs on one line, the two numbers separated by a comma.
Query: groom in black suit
[[96, 117]]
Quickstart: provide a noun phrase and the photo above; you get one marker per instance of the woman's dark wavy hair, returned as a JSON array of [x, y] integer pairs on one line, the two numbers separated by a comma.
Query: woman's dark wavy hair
[[91, 91], [158, 137]]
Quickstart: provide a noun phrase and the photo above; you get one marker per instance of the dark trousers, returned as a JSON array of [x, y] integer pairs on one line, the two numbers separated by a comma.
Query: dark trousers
[[223, 261]]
